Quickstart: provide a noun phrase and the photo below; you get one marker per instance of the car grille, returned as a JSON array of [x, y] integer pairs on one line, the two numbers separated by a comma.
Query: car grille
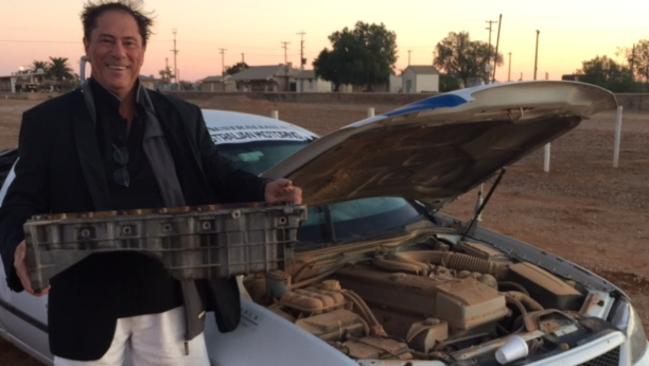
[[610, 358]]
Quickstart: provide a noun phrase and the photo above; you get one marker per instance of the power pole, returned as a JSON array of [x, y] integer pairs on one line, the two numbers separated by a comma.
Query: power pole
[[409, 52], [175, 52], [489, 27], [500, 20], [167, 67], [285, 47], [302, 60], [222, 52], [632, 60], [243, 58], [536, 53], [509, 68]]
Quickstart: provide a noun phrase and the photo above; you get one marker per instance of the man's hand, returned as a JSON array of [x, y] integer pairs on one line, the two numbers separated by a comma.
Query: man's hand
[[283, 190], [21, 270]]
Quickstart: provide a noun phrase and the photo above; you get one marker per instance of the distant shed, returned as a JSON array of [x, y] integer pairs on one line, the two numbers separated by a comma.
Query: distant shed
[[267, 78], [419, 79], [308, 82], [218, 84]]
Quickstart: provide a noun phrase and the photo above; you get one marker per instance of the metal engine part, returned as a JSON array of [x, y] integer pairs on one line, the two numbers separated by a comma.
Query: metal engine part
[[376, 348], [400, 300], [547, 288], [424, 335], [313, 300], [336, 325]]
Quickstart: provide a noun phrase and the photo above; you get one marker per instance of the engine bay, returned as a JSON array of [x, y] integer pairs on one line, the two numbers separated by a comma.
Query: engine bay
[[459, 303]]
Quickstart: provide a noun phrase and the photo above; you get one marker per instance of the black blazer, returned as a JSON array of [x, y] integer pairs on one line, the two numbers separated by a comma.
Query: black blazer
[[60, 170]]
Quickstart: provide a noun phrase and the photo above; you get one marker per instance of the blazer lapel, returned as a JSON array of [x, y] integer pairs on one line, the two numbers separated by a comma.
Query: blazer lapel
[[190, 173], [85, 139]]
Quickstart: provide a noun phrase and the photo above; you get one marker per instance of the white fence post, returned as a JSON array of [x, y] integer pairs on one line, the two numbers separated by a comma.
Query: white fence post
[[370, 112], [546, 157], [618, 136], [274, 114]]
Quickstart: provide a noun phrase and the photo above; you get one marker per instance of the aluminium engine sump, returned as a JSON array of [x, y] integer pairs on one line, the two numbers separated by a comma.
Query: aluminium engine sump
[[211, 241]]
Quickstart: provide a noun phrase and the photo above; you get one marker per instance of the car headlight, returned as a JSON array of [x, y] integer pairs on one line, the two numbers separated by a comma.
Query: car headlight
[[637, 337], [627, 320]]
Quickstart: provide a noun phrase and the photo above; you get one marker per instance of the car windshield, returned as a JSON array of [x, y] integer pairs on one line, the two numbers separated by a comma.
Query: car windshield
[[328, 224], [258, 156], [354, 220]]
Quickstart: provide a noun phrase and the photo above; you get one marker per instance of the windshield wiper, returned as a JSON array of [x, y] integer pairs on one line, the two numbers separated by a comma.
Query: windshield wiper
[[483, 205]]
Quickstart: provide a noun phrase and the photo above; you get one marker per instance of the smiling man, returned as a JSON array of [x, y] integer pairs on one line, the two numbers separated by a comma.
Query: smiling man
[[113, 145]]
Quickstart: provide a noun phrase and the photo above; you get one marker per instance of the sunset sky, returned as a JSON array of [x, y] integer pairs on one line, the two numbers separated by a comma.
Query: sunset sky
[[571, 31]]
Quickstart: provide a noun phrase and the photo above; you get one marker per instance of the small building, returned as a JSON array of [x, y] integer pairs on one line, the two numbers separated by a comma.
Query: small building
[[395, 84], [150, 82], [308, 82], [420, 79], [267, 78], [25, 81], [8, 84], [218, 84]]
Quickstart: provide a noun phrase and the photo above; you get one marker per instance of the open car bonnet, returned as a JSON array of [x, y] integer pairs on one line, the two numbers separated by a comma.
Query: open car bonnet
[[438, 148]]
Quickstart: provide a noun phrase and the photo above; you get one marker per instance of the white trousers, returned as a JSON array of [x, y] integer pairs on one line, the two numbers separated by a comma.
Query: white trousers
[[152, 339]]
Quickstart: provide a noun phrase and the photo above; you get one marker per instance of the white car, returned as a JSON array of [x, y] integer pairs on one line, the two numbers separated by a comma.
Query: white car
[[380, 277]]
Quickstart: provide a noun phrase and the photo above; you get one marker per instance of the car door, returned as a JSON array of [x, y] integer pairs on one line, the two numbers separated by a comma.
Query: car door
[[23, 317]]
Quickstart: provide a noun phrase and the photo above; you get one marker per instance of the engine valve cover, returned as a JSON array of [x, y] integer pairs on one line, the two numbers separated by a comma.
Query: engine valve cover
[[464, 303]]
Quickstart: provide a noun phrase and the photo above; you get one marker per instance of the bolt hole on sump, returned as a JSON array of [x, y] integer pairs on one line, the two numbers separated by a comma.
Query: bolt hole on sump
[[127, 230], [85, 233], [282, 220], [236, 214], [206, 225]]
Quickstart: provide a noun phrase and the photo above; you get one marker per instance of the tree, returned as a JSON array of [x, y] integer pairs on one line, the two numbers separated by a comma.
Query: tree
[[464, 59], [638, 58], [362, 56], [236, 68], [338, 65], [39, 65], [59, 70], [448, 83], [606, 73]]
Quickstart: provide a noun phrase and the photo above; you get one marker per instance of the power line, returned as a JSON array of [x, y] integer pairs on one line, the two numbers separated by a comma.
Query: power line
[[36, 41]]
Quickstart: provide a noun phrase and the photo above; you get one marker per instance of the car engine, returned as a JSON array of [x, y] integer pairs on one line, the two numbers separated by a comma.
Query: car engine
[[428, 301]]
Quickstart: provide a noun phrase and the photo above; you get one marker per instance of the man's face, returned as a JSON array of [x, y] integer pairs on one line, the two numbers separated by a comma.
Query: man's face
[[115, 51]]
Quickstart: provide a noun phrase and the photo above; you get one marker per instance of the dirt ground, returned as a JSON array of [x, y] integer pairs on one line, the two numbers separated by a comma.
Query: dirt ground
[[583, 210]]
